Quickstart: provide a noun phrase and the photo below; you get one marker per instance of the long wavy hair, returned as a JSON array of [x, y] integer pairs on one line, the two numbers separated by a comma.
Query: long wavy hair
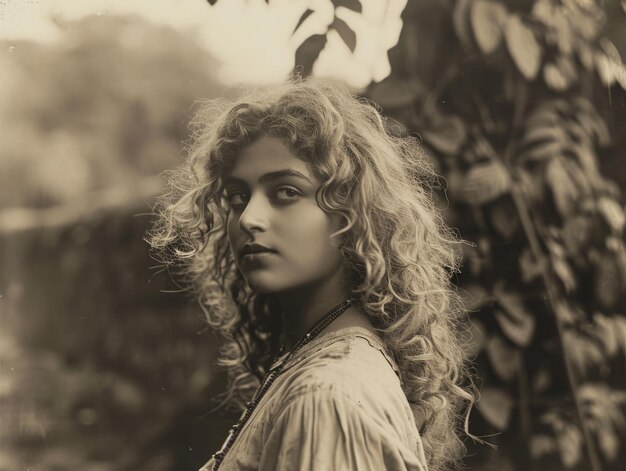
[[398, 251]]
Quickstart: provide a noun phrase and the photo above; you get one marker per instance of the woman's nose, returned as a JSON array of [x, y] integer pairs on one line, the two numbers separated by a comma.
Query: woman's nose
[[254, 215]]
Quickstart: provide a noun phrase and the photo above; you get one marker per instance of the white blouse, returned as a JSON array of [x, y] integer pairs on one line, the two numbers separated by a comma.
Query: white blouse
[[337, 405]]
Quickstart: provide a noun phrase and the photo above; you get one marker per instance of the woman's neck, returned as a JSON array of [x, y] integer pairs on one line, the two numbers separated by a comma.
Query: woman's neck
[[301, 308]]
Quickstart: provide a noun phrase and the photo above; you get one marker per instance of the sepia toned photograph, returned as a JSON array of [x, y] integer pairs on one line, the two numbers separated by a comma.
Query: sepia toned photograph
[[318, 235]]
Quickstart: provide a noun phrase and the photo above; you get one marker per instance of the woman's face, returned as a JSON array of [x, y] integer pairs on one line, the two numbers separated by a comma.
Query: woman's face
[[272, 203]]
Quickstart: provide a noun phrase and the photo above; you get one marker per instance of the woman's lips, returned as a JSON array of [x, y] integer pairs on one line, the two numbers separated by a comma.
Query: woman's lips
[[256, 256]]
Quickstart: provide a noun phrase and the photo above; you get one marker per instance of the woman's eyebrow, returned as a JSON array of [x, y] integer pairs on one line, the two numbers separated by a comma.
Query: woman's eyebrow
[[289, 172]]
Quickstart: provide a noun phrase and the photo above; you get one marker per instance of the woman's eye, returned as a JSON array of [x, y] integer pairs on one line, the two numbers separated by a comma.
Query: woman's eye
[[287, 193], [281, 194]]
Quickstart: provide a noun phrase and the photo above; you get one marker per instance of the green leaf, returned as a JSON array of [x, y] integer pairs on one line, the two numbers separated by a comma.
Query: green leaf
[[617, 248], [565, 180], [485, 182], [542, 140], [554, 78], [542, 445], [543, 10], [585, 54], [612, 213], [611, 330], [584, 105], [564, 31], [503, 357], [459, 19], [586, 157], [610, 71], [567, 314], [530, 269], [561, 266], [604, 66], [566, 65], [585, 17], [495, 405], [504, 219], [577, 234], [568, 438], [604, 416], [609, 65], [519, 333], [591, 122], [608, 281], [531, 186], [544, 133], [488, 19], [549, 113], [559, 30], [576, 133], [563, 188], [446, 134], [517, 324], [543, 151], [583, 349], [523, 47], [542, 379]]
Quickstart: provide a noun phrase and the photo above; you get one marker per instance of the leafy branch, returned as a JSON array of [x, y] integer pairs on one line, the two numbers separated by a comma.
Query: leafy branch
[[513, 124]]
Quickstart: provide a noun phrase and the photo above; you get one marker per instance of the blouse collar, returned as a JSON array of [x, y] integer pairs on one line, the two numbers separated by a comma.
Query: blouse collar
[[332, 337]]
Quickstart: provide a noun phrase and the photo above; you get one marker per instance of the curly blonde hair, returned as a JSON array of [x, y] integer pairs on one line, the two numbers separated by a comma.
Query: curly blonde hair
[[398, 251]]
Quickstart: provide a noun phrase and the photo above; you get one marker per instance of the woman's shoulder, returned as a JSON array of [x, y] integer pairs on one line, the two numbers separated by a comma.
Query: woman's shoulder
[[344, 390]]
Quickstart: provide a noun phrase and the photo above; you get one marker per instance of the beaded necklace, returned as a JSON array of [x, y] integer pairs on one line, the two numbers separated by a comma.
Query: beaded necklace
[[313, 332]]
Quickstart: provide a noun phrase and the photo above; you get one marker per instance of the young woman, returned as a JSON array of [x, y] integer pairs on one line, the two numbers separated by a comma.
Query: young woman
[[311, 238]]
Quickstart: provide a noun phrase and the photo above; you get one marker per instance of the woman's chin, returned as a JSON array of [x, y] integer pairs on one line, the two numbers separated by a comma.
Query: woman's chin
[[263, 286]]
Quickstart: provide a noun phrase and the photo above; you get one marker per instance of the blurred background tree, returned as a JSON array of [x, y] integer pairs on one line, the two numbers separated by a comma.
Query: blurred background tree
[[99, 369], [520, 105], [106, 105]]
